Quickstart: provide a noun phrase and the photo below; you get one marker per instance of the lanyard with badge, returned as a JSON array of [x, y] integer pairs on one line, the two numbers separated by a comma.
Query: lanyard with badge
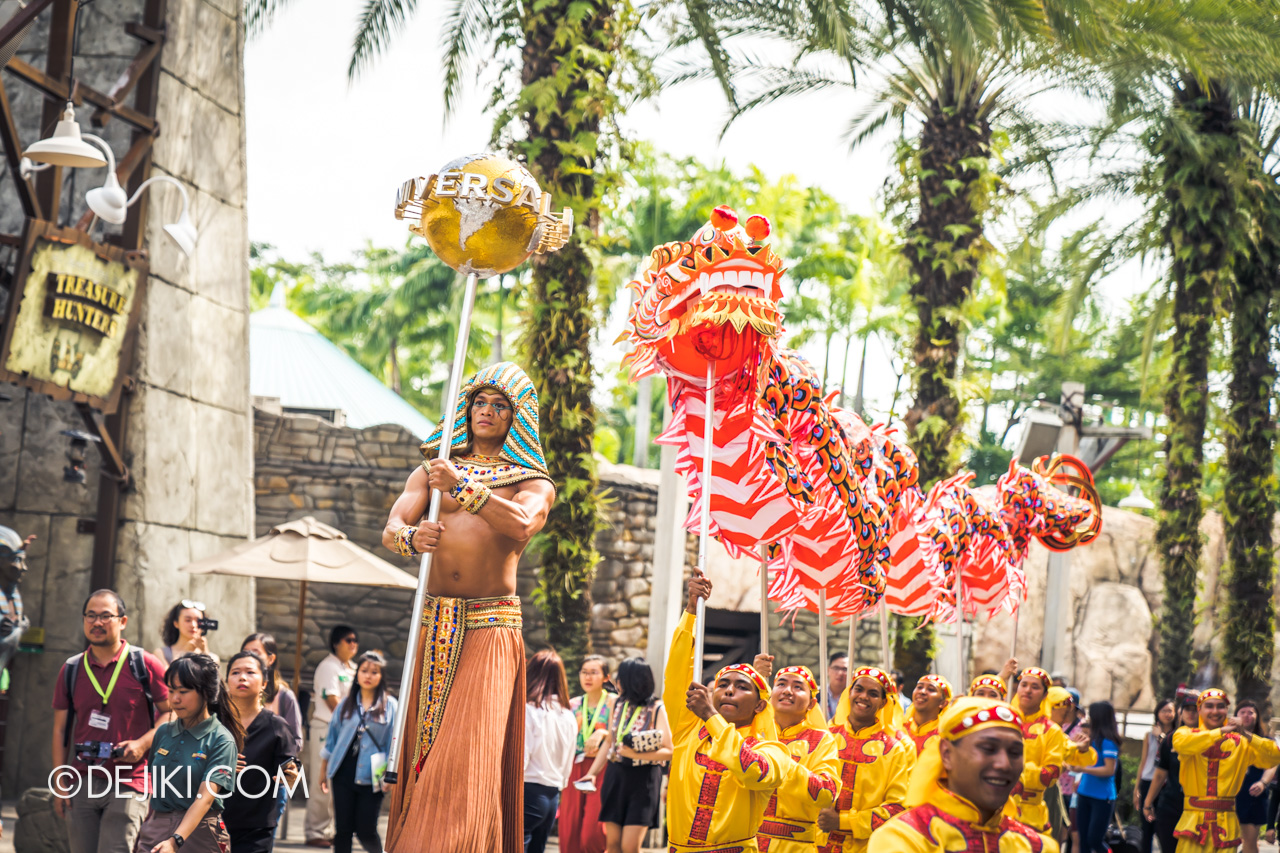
[[101, 720], [587, 724]]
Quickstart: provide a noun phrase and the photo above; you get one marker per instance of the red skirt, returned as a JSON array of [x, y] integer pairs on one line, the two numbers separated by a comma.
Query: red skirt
[[580, 827]]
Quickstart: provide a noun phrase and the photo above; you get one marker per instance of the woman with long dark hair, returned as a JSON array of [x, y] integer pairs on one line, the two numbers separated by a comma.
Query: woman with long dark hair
[[1165, 718], [1096, 794], [579, 822], [549, 734], [269, 751], [196, 752], [1251, 801], [278, 699], [630, 796], [1163, 804], [181, 632], [355, 752]]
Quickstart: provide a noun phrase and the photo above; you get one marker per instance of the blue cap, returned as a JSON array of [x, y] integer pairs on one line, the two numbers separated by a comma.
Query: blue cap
[[1075, 695]]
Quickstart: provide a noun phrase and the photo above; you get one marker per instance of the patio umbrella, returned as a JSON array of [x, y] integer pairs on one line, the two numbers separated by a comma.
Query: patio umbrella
[[307, 551]]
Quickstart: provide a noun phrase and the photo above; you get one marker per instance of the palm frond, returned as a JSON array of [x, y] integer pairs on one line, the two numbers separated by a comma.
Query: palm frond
[[379, 21]]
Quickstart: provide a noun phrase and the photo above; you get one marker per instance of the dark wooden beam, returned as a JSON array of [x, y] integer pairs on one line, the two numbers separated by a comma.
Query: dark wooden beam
[[145, 98], [57, 92], [18, 22], [145, 33], [13, 154], [58, 68], [127, 81]]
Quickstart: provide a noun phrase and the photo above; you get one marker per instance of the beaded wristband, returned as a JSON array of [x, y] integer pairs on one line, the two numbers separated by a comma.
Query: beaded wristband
[[404, 541], [473, 496]]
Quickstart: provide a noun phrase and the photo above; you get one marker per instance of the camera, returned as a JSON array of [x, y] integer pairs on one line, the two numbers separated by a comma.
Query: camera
[[207, 625], [93, 751], [627, 742]]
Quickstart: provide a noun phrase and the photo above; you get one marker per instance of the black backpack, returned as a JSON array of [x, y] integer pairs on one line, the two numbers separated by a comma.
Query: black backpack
[[137, 668]]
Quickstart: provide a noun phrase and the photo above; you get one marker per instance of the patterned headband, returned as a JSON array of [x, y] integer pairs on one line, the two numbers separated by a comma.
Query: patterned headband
[[750, 672], [1038, 673], [886, 680], [939, 682], [970, 718], [988, 681], [1211, 693], [803, 672]]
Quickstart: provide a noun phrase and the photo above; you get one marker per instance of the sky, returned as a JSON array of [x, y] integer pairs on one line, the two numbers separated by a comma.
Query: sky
[[325, 156]]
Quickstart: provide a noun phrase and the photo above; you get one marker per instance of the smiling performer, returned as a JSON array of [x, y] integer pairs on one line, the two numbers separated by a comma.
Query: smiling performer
[[875, 763], [961, 785], [461, 788], [790, 818], [1047, 750], [930, 698], [727, 761], [1214, 759]]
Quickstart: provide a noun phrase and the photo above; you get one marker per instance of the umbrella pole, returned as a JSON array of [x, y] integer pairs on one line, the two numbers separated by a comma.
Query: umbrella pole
[[764, 599], [708, 463], [297, 649], [433, 514]]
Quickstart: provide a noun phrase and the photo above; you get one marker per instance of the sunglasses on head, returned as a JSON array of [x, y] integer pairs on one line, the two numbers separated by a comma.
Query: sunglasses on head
[[187, 604]]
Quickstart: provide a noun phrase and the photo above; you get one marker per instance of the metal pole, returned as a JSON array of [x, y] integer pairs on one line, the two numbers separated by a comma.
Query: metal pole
[[959, 626], [822, 638], [764, 599], [708, 463], [1013, 652], [433, 514], [885, 652]]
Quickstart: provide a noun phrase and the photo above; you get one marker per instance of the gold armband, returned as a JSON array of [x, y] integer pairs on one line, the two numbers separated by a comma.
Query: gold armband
[[470, 496], [404, 541]]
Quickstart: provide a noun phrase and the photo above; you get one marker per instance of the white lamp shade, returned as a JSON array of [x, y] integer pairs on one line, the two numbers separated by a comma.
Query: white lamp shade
[[183, 233], [1136, 500], [109, 201], [65, 147]]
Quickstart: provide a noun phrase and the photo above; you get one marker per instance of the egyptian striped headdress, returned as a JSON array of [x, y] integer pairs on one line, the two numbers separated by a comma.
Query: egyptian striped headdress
[[522, 446]]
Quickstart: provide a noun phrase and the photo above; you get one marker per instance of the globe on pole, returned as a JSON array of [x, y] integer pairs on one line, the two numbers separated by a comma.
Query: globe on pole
[[483, 214]]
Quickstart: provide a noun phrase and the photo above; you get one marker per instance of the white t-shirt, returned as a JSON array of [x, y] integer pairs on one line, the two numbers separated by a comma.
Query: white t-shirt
[[332, 678], [550, 737]]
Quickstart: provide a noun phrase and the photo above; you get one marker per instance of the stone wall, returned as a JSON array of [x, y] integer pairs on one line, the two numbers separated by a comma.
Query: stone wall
[[189, 415]]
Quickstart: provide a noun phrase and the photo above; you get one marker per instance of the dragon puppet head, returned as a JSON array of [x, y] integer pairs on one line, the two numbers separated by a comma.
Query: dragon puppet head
[[713, 299]]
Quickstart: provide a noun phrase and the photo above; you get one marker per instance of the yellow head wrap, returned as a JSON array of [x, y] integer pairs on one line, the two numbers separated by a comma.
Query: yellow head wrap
[[1058, 697], [944, 687], [965, 716], [890, 716], [814, 718], [763, 725], [1211, 693], [1045, 679], [991, 681]]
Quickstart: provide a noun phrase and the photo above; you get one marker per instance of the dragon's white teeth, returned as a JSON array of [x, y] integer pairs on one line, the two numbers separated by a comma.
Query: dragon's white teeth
[[768, 280], [717, 280], [757, 280]]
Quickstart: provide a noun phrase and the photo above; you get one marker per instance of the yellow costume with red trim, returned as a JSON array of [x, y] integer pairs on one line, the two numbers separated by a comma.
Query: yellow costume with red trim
[[790, 818], [940, 821], [1213, 765], [992, 681], [922, 733], [1046, 751], [722, 777], [875, 767]]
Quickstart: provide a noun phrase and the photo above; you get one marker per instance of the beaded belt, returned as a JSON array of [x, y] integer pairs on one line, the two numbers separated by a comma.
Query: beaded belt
[[743, 846], [445, 622]]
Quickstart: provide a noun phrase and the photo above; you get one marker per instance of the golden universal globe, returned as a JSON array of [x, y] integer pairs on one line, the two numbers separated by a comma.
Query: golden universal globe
[[483, 214]]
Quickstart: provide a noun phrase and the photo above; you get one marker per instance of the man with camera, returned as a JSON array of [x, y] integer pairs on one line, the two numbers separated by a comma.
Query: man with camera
[[107, 703]]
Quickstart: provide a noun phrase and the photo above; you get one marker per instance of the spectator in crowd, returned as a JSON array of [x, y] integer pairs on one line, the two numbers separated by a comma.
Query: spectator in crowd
[[329, 685], [1273, 804], [903, 693], [355, 754], [197, 751], [580, 830], [1251, 801], [1163, 727], [181, 632], [269, 748], [629, 795], [837, 681], [1096, 793], [1058, 680], [550, 732], [279, 699], [1163, 804], [112, 694]]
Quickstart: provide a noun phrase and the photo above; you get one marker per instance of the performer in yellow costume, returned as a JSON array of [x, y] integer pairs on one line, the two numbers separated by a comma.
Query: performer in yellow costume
[[790, 818], [928, 701], [1214, 758], [988, 687], [961, 785], [1047, 751], [728, 760], [875, 763]]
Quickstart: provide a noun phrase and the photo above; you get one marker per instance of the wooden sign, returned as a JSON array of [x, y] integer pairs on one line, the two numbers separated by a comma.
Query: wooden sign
[[73, 315]]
